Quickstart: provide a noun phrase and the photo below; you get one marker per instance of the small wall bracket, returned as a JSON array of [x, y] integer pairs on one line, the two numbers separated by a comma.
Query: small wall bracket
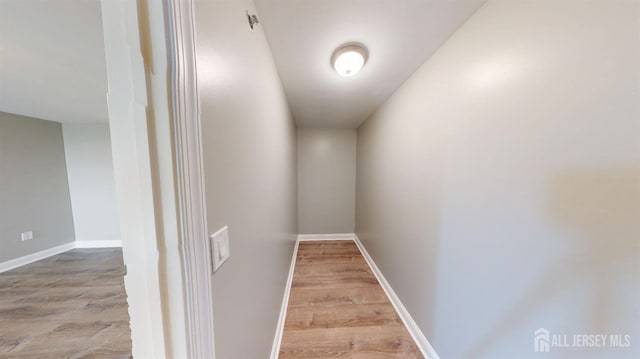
[[253, 20]]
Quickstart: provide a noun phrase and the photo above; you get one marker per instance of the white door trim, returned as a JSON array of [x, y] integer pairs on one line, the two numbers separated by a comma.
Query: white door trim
[[190, 173]]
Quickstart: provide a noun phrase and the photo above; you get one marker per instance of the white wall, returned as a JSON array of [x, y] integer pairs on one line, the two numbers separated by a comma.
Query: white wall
[[249, 145], [87, 150], [499, 188], [34, 193], [326, 180]]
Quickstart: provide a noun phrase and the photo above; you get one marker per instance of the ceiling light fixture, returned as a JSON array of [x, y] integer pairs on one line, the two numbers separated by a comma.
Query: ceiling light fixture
[[348, 60]]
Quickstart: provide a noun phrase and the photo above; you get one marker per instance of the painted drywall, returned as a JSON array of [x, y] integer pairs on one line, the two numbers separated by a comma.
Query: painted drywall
[[87, 150], [499, 188], [34, 192], [326, 180], [249, 145]]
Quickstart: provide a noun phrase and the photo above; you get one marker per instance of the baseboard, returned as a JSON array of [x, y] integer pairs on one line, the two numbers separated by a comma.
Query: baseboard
[[33, 257], [417, 335], [325, 237], [98, 244], [275, 349]]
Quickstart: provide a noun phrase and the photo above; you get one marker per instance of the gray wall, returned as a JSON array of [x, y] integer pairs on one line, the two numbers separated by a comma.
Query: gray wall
[[34, 193], [499, 188], [91, 181], [249, 144], [326, 180]]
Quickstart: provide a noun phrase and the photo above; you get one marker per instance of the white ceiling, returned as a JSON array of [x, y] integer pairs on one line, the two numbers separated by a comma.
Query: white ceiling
[[52, 63], [400, 35]]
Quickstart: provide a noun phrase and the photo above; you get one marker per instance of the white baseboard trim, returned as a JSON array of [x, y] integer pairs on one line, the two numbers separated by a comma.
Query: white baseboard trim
[[275, 349], [326, 237], [33, 257], [99, 244], [417, 335]]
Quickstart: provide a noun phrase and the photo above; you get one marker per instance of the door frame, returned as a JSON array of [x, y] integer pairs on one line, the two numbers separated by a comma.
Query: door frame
[[186, 117], [156, 146]]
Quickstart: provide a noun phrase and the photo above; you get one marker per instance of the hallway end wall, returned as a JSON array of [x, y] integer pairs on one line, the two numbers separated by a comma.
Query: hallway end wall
[[326, 180]]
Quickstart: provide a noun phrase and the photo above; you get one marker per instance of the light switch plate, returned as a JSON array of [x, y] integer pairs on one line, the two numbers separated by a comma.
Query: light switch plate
[[219, 247]]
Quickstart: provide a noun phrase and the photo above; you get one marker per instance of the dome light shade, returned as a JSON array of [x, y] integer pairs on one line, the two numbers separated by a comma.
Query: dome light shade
[[349, 60]]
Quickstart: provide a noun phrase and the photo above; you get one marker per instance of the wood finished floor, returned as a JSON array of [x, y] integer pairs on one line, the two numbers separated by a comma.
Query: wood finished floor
[[337, 308], [72, 305]]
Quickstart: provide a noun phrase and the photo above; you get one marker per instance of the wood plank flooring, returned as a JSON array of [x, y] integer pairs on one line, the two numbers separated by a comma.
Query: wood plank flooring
[[337, 308], [72, 305]]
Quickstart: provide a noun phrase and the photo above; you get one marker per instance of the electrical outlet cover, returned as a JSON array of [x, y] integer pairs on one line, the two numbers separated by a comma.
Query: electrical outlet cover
[[26, 236]]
